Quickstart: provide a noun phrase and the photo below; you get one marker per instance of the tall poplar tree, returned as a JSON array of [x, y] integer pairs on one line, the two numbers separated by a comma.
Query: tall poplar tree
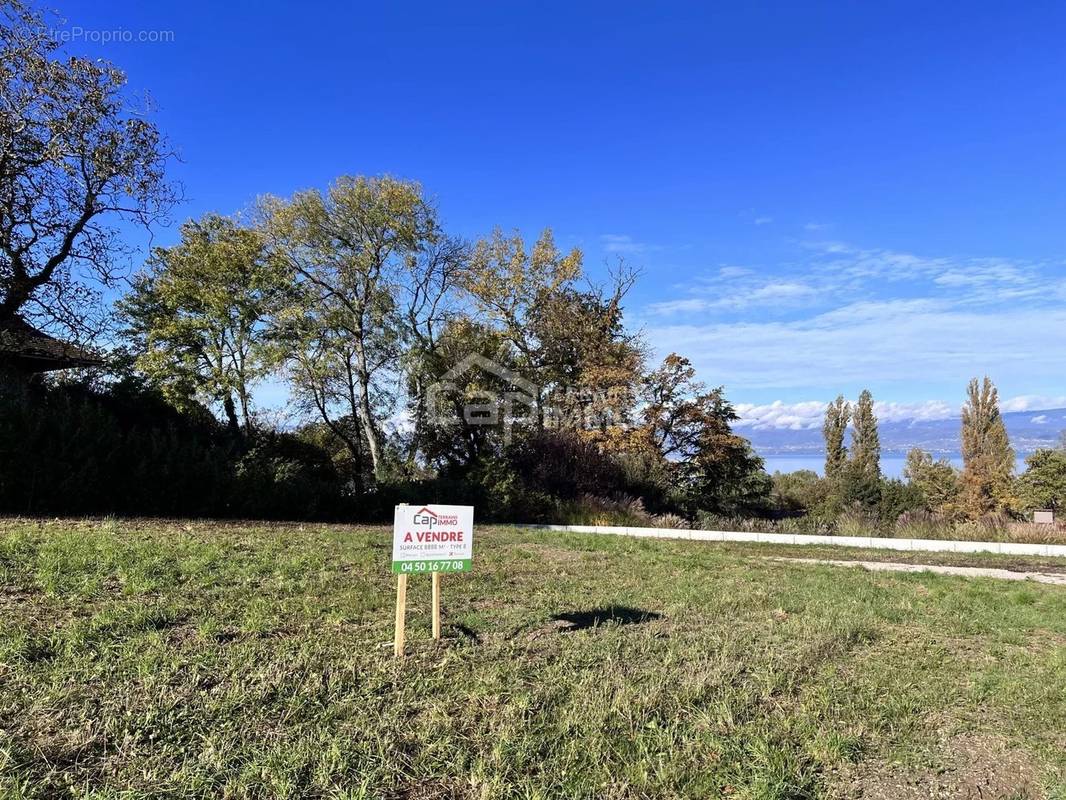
[[837, 416], [988, 460], [861, 481], [865, 444]]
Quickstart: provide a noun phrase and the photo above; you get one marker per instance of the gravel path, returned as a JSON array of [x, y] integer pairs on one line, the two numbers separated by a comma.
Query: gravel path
[[965, 572]]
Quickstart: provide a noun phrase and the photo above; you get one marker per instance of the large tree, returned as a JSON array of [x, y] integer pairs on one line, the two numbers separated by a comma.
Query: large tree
[[837, 416], [690, 427], [865, 443], [1043, 485], [568, 339], [74, 158], [349, 251], [469, 411], [862, 482], [199, 315], [592, 365], [429, 306], [508, 281], [936, 480], [988, 460]]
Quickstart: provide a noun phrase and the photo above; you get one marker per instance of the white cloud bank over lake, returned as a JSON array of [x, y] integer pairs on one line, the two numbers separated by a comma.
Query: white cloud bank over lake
[[841, 317]]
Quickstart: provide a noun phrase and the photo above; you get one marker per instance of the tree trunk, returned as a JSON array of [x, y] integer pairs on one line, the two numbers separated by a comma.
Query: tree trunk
[[373, 443], [232, 423]]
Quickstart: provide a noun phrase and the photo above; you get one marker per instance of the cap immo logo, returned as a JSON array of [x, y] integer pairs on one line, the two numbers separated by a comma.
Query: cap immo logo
[[426, 517]]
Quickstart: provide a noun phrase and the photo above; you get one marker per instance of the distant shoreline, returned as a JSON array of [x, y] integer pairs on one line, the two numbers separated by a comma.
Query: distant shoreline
[[892, 464]]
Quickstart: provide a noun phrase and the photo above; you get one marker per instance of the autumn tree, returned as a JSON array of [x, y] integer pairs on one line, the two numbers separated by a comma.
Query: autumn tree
[[508, 281], [834, 429], [988, 459], [568, 338], [691, 427], [592, 364], [74, 159], [199, 313]]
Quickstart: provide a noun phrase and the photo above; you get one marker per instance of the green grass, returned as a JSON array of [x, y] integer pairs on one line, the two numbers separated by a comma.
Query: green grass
[[201, 660]]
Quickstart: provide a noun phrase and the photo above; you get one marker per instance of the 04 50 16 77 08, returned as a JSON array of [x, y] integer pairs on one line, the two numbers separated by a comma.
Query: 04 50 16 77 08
[[421, 567]]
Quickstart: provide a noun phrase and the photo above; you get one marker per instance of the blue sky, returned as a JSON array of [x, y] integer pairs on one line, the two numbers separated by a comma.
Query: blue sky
[[822, 196]]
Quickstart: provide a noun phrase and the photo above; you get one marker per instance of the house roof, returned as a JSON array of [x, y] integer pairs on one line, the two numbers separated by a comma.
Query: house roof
[[26, 348]]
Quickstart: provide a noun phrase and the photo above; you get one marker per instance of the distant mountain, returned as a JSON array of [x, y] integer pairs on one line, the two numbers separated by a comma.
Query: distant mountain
[[1028, 431]]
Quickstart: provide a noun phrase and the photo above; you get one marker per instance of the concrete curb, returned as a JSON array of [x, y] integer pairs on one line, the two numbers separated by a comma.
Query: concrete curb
[[926, 545]]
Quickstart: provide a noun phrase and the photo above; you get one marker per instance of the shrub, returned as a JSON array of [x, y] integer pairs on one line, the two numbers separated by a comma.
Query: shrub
[[619, 509], [922, 524], [857, 521], [563, 465], [76, 450], [802, 490]]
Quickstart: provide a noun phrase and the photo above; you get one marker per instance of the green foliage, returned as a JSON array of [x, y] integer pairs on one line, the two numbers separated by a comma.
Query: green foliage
[[988, 471], [714, 469], [802, 490], [865, 443], [359, 258], [1043, 485], [898, 498], [852, 482], [564, 465], [937, 482], [875, 504], [837, 416], [71, 449], [198, 315], [856, 486]]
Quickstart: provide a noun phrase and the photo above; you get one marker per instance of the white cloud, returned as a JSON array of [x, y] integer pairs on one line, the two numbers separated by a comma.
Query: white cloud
[[776, 294], [780, 290], [622, 243], [793, 416], [808, 414], [848, 316], [763, 220], [734, 272], [982, 274], [680, 306], [915, 412], [1032, 402], [911, 341]]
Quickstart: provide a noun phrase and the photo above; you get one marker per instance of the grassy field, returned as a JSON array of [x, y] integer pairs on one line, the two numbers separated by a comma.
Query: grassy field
[[199, 660]]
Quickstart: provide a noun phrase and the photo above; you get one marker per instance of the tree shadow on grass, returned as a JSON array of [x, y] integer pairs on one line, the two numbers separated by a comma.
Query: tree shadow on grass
[[466, 631], [621, 615]]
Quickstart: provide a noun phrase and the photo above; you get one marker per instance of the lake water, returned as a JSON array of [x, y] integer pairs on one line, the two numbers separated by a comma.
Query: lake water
[[891, 465]]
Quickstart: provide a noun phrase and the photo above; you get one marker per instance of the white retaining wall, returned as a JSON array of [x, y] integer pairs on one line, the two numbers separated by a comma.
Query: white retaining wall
[[931, 545]]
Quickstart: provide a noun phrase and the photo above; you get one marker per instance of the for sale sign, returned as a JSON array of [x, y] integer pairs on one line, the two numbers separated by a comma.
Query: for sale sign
[[432, 539]]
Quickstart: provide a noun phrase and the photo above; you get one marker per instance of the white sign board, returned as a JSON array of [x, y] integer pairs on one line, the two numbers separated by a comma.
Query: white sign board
[[432, 539]]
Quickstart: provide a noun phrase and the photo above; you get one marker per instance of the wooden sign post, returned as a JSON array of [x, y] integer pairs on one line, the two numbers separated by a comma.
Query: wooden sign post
[[436, 605], [434, 539], [401, 613]]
